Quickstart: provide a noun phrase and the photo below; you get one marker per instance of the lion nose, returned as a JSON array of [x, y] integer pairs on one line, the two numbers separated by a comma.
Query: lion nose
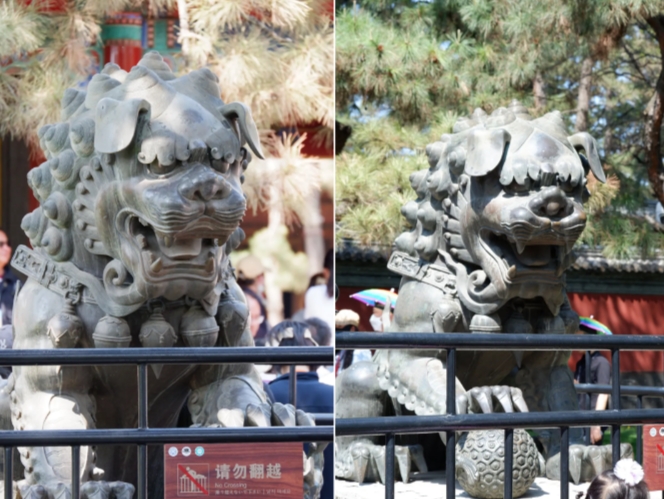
[[203, 184], [551, 203]]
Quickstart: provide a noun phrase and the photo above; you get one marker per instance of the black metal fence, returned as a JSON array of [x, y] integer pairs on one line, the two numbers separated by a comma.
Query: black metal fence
[[143, 435], [452, 422]]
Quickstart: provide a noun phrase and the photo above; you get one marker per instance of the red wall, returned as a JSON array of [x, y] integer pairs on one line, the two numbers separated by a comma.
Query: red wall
[[626, 314]]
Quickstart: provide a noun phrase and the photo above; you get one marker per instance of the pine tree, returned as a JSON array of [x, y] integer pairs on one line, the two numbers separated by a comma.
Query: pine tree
[[596, 61], [274, 55]]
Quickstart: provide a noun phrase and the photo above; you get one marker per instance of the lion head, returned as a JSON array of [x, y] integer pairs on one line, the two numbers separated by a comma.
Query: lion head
[[142, 183], [502, 205]]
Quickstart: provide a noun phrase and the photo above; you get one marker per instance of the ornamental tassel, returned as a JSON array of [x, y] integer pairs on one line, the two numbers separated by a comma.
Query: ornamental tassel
[[157, 333], [65, 328], [112, 332], [198, 328]]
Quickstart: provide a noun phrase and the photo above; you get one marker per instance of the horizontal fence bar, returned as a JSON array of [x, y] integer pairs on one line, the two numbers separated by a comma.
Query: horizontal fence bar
[[497, 341], [159, 436], [323, 419], [465, 422], [198, 355], [647, 391]]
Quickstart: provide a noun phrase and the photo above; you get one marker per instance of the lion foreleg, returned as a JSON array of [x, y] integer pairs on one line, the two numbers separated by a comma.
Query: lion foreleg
[[53, 397], [221, 395]]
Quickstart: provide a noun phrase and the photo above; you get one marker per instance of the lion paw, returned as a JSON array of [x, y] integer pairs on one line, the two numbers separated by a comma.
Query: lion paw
[[586, 461], [483, 399], [263, 415], [366, 460], [89, 490]]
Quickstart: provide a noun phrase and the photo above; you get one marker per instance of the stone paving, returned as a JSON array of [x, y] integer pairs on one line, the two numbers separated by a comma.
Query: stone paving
[[431, 485]]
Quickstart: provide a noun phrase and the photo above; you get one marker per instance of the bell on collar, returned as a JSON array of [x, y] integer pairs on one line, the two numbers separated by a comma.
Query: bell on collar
[[65, 328], [112, 332], [155, 333], [198, 328]]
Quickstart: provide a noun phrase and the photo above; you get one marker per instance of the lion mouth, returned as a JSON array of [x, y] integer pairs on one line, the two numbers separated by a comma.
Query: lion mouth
[[518, 260], [167, 255]]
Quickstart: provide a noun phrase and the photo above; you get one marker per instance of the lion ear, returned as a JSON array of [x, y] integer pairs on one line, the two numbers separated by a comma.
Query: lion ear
[[585, 141], [485, 151], [241, 112], [116, 121]]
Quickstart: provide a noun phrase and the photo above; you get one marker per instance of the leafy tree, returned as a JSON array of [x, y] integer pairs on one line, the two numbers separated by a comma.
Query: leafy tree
[[274, 55], [424, 64]]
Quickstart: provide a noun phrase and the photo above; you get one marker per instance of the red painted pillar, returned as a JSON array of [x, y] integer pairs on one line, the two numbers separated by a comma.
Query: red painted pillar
[[123, 39]]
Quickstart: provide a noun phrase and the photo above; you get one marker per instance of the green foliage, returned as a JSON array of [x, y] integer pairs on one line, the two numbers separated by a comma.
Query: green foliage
[[432, 62]]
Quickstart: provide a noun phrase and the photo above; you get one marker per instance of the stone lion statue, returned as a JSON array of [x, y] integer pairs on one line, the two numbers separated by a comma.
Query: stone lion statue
[[491, 234], [140, 201]]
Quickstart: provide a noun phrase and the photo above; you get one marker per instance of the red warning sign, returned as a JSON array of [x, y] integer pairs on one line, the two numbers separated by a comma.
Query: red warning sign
[[653, 456], [246, 470]]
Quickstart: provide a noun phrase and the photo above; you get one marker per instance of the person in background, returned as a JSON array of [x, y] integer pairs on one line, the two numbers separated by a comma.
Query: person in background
[[8, 281], [376, 319], [312, 395], [319, 299], [347, 320], [8, 286], [600, 374], [323, 336], [320, 330], [624, 481], [250, 275]]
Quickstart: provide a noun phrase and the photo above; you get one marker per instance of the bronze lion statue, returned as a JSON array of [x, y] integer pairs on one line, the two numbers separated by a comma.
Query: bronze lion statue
[[140, 203], [491, 235]]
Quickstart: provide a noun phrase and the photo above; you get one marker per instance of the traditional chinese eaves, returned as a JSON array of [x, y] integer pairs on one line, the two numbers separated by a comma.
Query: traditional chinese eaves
[[366, 267], [588, 261]]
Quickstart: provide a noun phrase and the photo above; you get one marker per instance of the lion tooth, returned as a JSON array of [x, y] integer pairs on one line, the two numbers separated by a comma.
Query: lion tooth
[[511, 272], [157, 265], [520, 246], [142, 241], [168, 241], [143, 222], [209, 265]]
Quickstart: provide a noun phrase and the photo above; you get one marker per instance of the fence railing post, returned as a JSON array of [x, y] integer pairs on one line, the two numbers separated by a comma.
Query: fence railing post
[[615, 403], [389, 466], [450, 449], [75, 471], [142, 483], [564, 462], [509, 462], [9, 472]]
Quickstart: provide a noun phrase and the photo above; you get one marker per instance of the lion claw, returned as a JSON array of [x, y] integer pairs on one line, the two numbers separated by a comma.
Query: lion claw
[[366, 460], [88, 490], [482, 399], [586, 462]]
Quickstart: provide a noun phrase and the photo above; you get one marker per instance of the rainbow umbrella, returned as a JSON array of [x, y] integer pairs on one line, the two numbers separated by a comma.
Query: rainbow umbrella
[[596, 326], [373, 296]]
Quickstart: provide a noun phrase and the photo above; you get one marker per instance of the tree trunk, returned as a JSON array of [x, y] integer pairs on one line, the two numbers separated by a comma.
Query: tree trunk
[[183, 38], [273, 293], [312, 228], [608, 132], [539, 92], [583, 104], [653, 119]]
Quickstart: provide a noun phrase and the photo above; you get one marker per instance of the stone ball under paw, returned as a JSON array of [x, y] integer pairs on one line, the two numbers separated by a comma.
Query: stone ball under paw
[[480, 463]]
